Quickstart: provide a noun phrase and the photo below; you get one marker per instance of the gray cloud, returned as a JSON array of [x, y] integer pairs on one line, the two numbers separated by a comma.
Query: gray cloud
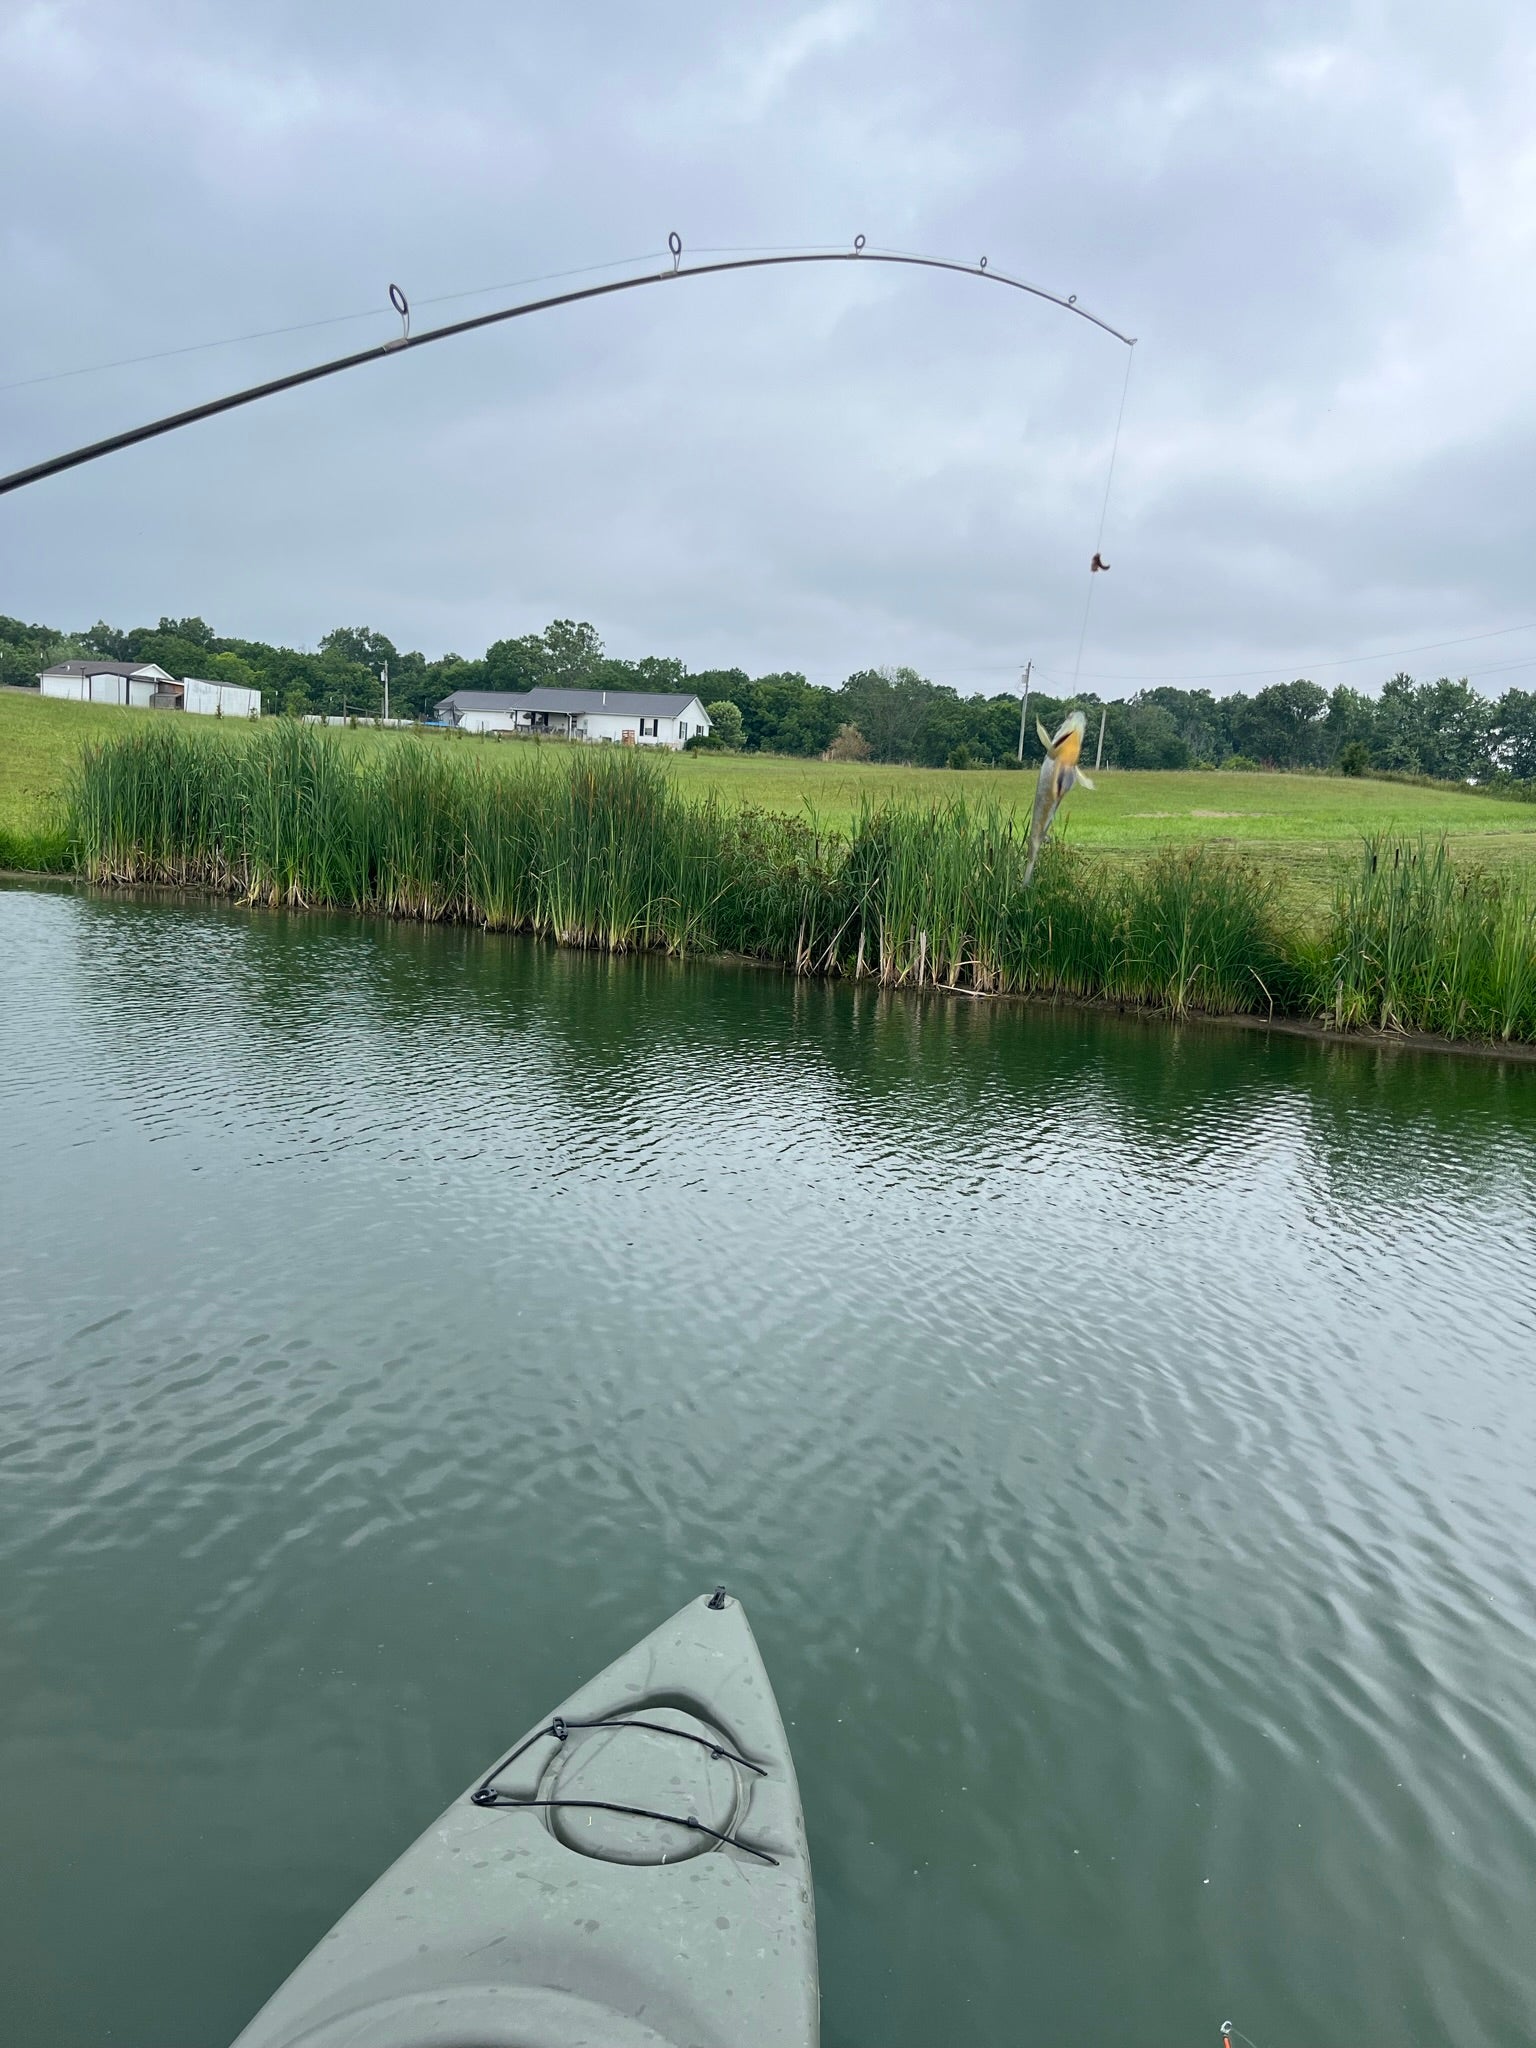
[[1319, 219]]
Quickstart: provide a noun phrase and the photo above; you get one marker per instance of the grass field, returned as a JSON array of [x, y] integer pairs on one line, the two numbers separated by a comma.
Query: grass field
[[1128, 812], [1299, 824]]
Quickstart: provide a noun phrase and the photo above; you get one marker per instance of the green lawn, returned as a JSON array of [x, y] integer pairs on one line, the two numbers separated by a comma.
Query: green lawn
[[1127, 810], [1299, 823]]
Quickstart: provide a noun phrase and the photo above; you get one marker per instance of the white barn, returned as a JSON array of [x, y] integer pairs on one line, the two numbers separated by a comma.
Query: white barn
[[219, 700], [90, 680], [93, 681], [636, 718]]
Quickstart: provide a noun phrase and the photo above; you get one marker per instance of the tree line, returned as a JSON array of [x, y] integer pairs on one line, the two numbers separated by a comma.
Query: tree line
[[1442, 728]]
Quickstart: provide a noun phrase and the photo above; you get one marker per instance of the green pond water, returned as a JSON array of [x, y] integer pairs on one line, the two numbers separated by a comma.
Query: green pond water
[[1123, 1440]]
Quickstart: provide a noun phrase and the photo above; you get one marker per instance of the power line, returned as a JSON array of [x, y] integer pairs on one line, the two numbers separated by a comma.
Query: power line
[[1285, 669], [1294, 668]]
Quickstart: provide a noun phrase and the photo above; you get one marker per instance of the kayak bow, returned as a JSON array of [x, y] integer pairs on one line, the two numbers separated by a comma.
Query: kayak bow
[[633, 1874]]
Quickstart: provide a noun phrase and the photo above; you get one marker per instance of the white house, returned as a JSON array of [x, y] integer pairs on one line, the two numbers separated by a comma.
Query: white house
[[634, 718], [93, 681]]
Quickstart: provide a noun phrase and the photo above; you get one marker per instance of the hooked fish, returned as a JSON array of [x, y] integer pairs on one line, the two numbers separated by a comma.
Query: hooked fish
[[1059, 772]]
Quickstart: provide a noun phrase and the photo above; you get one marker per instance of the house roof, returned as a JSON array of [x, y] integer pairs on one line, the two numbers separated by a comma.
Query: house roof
[[622, 703], [481, 700], [90, 666], [628, 703]]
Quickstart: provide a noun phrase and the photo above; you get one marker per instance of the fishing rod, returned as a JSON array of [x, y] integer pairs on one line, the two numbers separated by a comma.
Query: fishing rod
[[36, 471]]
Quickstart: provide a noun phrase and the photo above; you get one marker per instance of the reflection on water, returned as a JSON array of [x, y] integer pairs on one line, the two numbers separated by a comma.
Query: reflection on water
[[1121, 1438]]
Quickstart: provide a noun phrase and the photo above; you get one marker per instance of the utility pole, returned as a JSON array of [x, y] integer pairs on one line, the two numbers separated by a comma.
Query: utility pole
[[384, 678], [1098, 759], [1024, 704]]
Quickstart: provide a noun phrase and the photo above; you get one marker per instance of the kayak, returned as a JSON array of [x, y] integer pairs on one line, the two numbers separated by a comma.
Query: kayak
[[632, 1874]]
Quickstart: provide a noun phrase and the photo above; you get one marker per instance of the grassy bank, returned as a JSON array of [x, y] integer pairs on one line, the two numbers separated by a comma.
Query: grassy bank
[[610, 849]]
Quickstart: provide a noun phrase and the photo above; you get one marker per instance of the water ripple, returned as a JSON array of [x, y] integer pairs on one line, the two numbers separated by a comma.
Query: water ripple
[[1122, 1436]]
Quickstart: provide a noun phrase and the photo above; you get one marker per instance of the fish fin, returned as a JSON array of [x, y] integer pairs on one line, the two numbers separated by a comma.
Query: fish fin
[[1083, 779], [1045, 738]]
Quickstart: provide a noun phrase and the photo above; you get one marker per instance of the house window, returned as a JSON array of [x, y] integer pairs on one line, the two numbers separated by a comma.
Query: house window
[[682, 729], [650, 728]]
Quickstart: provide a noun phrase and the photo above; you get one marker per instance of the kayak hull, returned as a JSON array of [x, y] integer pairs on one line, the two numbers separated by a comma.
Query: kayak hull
[[633, 1875]]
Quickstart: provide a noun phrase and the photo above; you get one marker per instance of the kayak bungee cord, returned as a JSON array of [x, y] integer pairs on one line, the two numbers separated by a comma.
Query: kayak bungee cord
[[859, 253], [485, 1793], [559, 1728], [673, 1820]]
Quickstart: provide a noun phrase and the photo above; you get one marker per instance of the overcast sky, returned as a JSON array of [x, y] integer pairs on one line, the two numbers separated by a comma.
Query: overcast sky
[[1319, 220]]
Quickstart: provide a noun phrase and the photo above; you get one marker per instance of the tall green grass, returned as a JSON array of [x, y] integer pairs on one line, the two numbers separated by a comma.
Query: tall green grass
[[1415, 944], [46, 849], [599, 848]]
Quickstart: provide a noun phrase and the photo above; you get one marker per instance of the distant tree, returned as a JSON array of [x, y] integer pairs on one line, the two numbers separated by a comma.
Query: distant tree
[[784, 714], [25, 651], [194, 631], [1281, 726], [178, 653], [519, 665], [727, 724], [574, 651], [68, 647], [946, 726], [361, 644], [1455, 730], [1443, 728], [422, 685], [1200, 720], [110, 642], [1515, 727], [1141, 734], [231, 668], [1350, 720], [1354, 758], [848, 744], [718, 682], [658, 672], [890, 707], [992, 725]]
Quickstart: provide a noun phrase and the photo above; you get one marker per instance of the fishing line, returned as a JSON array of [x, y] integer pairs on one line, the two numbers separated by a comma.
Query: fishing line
[[1114, 450], [859, 253], [479, 291]]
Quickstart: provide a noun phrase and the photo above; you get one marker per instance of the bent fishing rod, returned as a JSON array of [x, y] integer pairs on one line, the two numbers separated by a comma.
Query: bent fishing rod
[[398, 345]]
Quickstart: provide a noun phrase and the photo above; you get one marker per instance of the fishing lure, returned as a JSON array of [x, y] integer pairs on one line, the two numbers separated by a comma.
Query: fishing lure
[[1059, 772]]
